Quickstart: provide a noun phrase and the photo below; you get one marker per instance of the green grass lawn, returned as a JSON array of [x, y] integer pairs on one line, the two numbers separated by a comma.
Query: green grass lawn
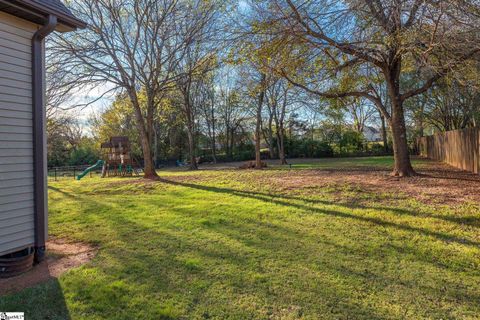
[[231, 244]]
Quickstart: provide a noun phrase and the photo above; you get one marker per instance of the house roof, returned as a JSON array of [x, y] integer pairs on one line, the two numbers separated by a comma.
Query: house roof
[[37, 10], [56, 4], [372, 129]]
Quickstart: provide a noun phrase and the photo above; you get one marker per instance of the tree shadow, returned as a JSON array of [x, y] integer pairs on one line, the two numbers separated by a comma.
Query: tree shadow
[[67, 194], [179, 277], [459, 176], [274, 199], [290, 250], [175, 277], [165, 272]]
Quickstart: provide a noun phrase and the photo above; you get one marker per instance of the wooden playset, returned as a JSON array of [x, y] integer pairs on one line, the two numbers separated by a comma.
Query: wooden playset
[[117, 158]]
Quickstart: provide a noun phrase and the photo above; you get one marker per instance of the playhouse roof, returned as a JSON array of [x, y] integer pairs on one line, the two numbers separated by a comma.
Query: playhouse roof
[[115, 142], [106, 145], [119, 139]]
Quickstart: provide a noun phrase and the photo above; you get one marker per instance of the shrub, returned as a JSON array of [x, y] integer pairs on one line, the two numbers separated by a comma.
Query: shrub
[[83, 155], [352, 141], [307, 148], [317, 149], [377, 149]]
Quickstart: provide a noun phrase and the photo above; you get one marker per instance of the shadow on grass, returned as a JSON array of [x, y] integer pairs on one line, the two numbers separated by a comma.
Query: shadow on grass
[[67, 194], [175, 277], [146, 256], [43, 301], [272, 199], [278, 241]]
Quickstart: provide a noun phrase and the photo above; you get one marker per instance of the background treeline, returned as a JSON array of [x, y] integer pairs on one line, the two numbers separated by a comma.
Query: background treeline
[[310, 130], [219, 80]]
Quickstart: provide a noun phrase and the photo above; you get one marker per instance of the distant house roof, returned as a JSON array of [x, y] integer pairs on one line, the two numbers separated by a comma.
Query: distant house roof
[[371, 129], [37, 10]]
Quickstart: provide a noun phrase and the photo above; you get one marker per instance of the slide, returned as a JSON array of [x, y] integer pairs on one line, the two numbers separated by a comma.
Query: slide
[[95, 166]]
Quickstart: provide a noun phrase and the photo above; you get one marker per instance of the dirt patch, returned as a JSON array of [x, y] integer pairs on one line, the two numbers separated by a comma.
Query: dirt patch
[[437, 183], [252, 165], [61, 257]]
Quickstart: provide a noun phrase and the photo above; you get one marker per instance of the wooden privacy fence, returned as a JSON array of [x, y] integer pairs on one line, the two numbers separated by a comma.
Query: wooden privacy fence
[[458, 148]]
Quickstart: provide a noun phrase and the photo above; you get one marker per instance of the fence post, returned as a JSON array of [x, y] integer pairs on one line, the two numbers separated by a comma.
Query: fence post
[[73, 173], [55, 170]]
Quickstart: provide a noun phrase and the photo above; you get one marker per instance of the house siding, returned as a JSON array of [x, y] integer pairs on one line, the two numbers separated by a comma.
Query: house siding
[[16, 135]]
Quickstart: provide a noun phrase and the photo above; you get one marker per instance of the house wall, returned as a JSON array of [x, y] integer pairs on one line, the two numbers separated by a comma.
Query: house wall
[[371, 134], [16, 137]]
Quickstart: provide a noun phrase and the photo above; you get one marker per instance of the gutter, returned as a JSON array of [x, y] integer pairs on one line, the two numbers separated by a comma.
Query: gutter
[[39, 136], [44, 9]]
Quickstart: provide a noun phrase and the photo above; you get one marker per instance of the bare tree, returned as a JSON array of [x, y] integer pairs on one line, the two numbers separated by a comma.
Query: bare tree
[[277, 100], [361, 112], [450, 106], [207, 103], [231, 109], [134, 46], [254, 88], [194, 66], [268, 129], [260, 90]]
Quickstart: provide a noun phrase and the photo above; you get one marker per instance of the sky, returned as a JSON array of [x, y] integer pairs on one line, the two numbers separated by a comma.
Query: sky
[[91, 102]]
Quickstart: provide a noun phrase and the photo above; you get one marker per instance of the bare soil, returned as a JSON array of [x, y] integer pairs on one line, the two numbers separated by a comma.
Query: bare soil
[[61, 257], [437, 183]]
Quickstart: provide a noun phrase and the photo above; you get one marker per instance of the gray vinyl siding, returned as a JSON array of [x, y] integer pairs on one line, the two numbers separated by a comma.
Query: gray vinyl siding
[[16, 135]]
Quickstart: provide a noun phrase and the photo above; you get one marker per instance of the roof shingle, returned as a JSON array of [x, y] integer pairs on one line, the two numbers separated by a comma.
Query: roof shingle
[[56, 4], [36, 11]]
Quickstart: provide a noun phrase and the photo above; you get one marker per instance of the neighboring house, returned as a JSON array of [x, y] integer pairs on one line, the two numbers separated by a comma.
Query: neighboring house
[[24, 24], [372, 134]]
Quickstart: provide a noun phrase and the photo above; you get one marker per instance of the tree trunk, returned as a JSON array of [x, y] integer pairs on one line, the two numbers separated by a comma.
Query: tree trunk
[[384, 133], [403, 166], [258, 128], [258, 159], [191, 148], [271, 148], [281, 145], [214, 150], [214, 142], [149, 167], [211, 136], [231, 143], [279, 123], [155, 147], [420, 123]]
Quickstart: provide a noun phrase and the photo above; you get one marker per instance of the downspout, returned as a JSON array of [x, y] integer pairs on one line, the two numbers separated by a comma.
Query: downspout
[[39, 136]]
